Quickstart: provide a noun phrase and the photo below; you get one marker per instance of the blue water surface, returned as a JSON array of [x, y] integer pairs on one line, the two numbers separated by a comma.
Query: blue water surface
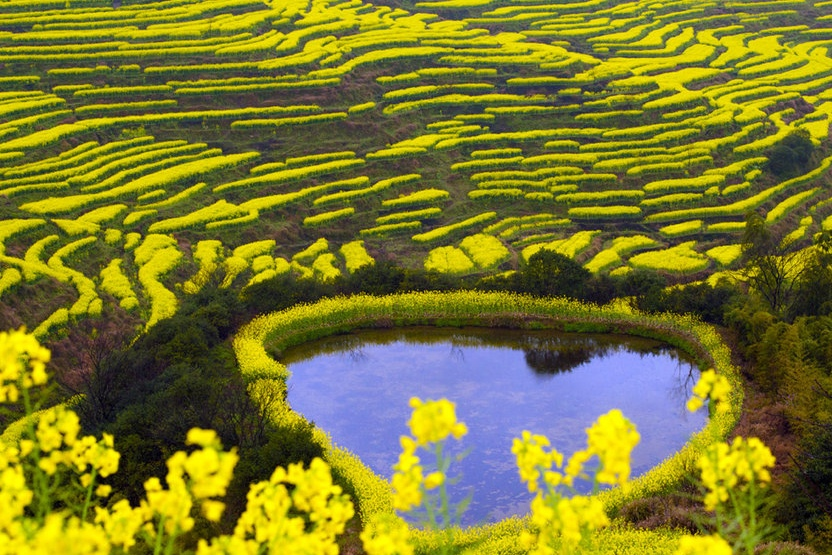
[[356, 387]]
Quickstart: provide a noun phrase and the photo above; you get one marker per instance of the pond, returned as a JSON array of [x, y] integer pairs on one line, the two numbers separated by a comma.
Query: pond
[[356, 387]]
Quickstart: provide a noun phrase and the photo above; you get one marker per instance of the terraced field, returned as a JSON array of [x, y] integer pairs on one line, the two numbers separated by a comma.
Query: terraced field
[[145, 146]]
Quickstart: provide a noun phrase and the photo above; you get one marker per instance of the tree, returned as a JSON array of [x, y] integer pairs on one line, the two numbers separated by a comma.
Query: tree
[[87, 361], [550, 273], [771, 270], [381, 278], [813, 292], [791, 155], [644, 288], [707, 301]]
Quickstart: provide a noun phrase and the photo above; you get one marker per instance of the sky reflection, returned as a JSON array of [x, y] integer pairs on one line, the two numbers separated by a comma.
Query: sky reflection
[[357, 387]]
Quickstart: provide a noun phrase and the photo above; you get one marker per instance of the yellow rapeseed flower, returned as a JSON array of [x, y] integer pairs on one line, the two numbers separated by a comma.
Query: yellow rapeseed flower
[[267, 521], [121, 523], [57, 428], [569, 518], [15, 495], [103, 490], [612, 438], [228, 545], [203, 438], [703, 545], [59, 445], [433, 421], [212, 510], [725, 467], [754, 461], [713, 386], [97, 454], [210, 471], [66, 535], [173, 505], [434, 480], [199, 475], [532, 459], [575, 466], [407, 479], [386, 535], [22, 363]]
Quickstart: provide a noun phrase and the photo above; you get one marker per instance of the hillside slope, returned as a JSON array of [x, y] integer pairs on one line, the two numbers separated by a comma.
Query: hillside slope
[[145, 146]]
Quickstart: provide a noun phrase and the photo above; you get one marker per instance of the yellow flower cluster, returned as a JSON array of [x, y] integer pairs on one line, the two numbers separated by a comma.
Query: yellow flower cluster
[[15, 495], [745, 463], [703, 545], [532, 458], [570, 518], [58, 444], [27, 524], [296, 511], [121, 523], [22, 364], [611, 438], [200, 475], [434, 421], [407, 477], [271, 518], [711, 385], [730, 475], [58, 534], [386, 535], [430, 423]]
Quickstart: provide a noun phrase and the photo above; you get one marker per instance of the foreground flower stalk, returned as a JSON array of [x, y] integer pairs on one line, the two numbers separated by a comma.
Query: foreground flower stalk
[[564, 521], [426, 496], [733, 478]]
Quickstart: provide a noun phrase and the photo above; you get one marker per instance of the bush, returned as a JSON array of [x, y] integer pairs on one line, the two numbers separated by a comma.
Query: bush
[[791, 155], [644, 287], [707, 301], [549, 273], [179, 375], [381, 278]]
